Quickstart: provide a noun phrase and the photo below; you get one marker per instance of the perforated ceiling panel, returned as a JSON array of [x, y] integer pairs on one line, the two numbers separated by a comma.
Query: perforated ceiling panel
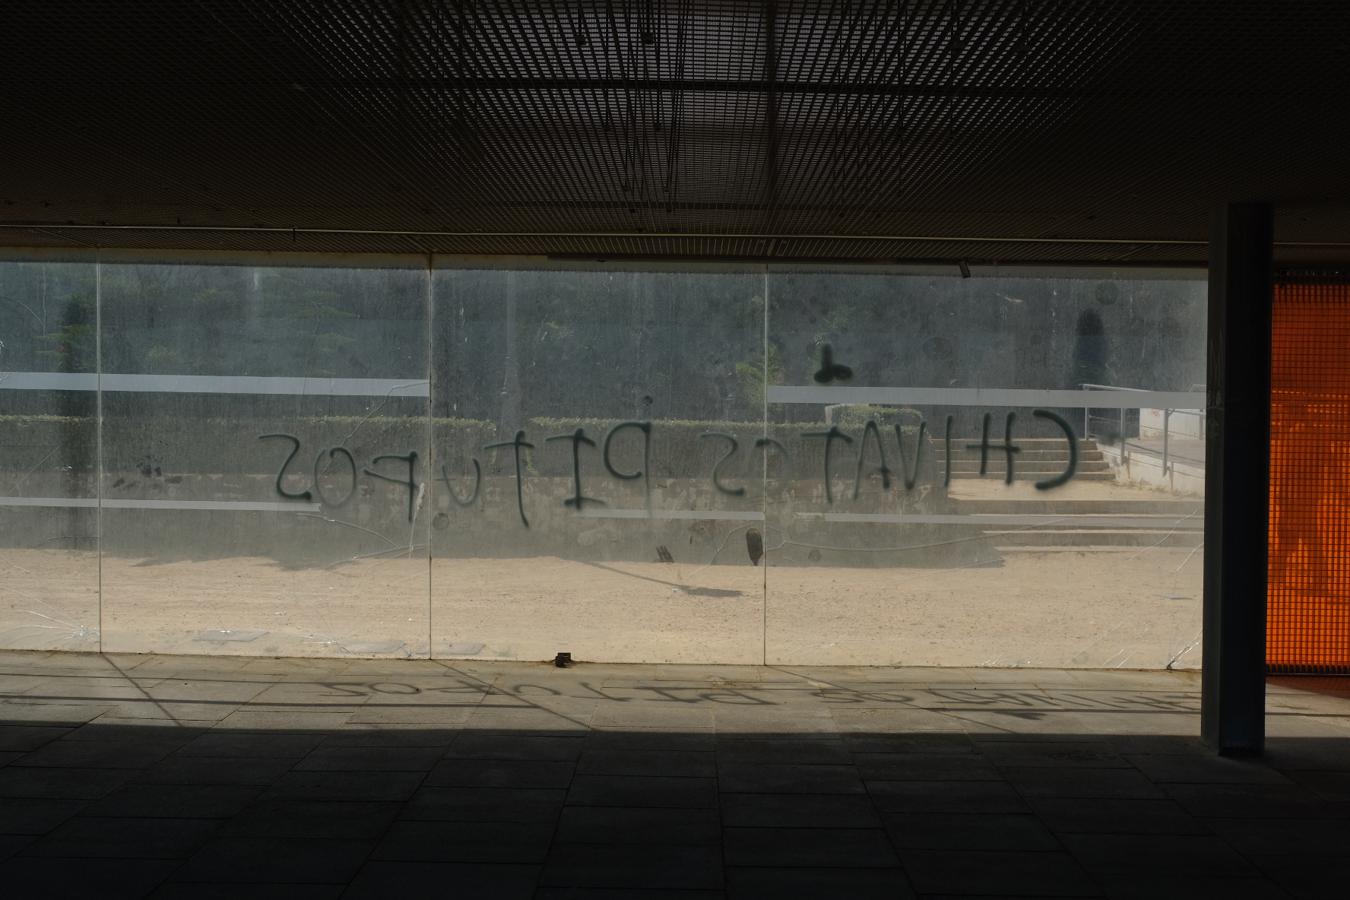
[[1013, 130]]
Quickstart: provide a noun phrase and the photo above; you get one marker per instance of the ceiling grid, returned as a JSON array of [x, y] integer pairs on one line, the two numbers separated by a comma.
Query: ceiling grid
[[867, 130]]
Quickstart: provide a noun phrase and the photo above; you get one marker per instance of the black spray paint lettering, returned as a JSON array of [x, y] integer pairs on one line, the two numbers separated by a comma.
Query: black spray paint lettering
[[717, 468], [883, 469], [645, 472], [295, 448], [577, 438], [829, 369], [767, 442], [410, 482], [517, 444], [950, 698], [1072, 441], [1008, 449], [477, 484], [830, 436], [318, 488], [911, 476], [908, 472]]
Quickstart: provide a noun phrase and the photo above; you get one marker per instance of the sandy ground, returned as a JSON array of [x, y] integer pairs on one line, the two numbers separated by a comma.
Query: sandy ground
[[1132, 608]]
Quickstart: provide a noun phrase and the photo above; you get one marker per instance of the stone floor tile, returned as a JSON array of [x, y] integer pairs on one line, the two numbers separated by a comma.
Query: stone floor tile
[[997, 872], [1109, 724], [1152, 887], [925, 767], [201, 891], [186, 801], [946, 796], [522, 719], [1116, 816], [1306, 875], [12, 844], [670, 763], [785, 751], [504, 773], [56, 715], [23, 738], [817, 884], [411, 714], [969, 831], [799, 811], [1205, 769], [378, 879], [1094, 754], [1157, 854], [458, 804], [35, 815], [489, 842], [1254, 801], [930, 743], [901, 721], [645, 866], [1333, 786], [362, 735], [613, 825], [651, 739], [346, 785], [635, 790], [809, 847], [579, 893], [34, 878], [370, 759], [225, 743], [1306, 754], [124, 838], [274, 719], [302, 695], [98, 754], [782, 721], [305, 818], [491, 745], [275, 860], [741, 778], [1038, 781], [673, 716], [60, 783], [257, 770], [1281, 836], [174, 735]]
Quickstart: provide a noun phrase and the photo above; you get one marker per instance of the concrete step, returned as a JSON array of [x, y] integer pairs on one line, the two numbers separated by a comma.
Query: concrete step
[[1022, 475], [1081, 548], [1019, 466], [1059, 455], [1094, 537], [1102, 507]]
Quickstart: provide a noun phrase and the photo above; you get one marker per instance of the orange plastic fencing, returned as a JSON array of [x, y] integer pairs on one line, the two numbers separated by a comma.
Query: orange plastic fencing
[[1308, 605]]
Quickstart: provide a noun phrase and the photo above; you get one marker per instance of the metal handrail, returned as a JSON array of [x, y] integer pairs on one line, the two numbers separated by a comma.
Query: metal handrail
[[1124, 443]]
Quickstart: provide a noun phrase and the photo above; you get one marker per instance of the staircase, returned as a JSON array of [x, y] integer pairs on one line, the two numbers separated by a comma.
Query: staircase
[[1038, 459], [1089, 514]]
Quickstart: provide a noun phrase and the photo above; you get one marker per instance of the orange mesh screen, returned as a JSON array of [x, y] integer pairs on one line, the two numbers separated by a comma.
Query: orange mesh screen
[[1308, 606]]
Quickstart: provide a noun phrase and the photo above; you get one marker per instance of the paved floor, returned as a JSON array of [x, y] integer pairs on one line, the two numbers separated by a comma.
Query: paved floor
[[168, 777]]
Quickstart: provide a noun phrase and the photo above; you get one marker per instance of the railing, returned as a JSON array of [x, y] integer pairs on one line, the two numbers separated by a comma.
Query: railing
[[1088, 418]]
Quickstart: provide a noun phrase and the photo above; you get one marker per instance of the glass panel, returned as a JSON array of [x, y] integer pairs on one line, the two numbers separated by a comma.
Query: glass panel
[[942, 559], [265, 439], [608, 536], [48, 453]]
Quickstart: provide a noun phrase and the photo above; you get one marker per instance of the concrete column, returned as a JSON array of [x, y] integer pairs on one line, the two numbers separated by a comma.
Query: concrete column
[[1237, 478]]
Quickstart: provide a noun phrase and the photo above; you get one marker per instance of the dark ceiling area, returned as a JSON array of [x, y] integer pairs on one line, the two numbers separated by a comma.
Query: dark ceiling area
[[1009, 131]]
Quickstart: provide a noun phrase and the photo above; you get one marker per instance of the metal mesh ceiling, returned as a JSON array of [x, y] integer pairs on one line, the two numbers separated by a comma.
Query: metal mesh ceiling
[[987, 130]]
